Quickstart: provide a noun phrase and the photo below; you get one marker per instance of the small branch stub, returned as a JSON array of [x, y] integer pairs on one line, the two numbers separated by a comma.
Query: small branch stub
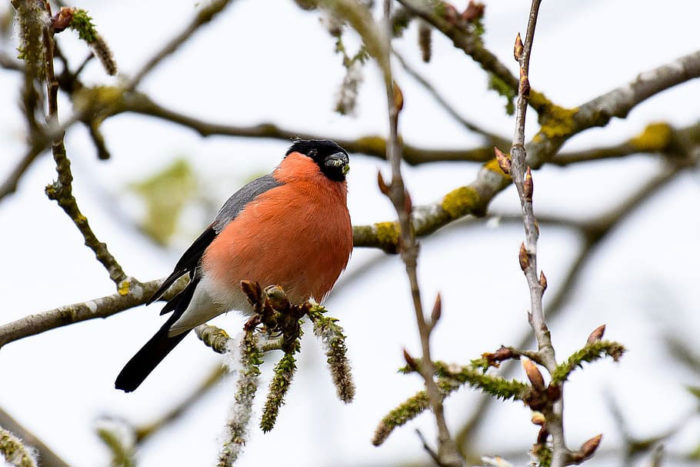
[[384, 187]]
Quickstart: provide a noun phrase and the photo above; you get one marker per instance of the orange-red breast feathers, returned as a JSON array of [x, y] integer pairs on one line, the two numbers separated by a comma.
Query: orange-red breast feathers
[[297, 235]]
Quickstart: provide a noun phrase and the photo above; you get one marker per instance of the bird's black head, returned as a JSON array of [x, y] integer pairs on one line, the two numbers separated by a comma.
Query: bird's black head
[[331, 158]]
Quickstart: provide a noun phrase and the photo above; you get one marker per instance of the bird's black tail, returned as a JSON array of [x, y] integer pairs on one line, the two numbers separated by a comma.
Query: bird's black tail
[[144, 362]]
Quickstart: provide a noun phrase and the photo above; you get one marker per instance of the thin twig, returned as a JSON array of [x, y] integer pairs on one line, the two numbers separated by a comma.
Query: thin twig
[[370, 145], [522, 178], [594, 233], [447, 449], [11, 183], [61, 190]]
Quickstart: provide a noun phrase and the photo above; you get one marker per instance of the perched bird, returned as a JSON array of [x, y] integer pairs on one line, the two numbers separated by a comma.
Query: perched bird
[[289, 228]]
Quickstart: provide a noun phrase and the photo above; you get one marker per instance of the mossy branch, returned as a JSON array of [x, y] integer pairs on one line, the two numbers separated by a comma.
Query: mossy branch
[[246, 387], [450, 378], [409, 409], [275, 325], [494, 385], [589, 353], [120, 441], [333, 339], [14, 452], [215, 338], [102, 307], [282, 379], [80, 21]]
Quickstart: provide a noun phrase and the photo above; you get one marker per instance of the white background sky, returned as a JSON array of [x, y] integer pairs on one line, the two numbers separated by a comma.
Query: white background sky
[[268, 61]]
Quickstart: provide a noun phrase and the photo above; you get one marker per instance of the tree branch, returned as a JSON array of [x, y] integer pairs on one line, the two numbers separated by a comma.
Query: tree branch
[[594, 233], [98, 308], [522, 178], [447, 454], [61, 190]]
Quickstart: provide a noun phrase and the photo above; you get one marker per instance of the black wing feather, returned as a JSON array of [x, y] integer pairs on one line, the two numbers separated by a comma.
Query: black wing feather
[[187, 263]]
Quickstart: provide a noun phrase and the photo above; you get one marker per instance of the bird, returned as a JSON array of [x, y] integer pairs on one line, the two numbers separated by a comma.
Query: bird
[[289, 228]]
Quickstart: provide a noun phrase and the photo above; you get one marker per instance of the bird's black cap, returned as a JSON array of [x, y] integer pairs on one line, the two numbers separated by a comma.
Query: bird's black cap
[[332, 159]]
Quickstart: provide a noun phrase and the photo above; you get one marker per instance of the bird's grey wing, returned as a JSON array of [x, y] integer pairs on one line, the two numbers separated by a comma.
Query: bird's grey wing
[[235, 204], [232, 207]]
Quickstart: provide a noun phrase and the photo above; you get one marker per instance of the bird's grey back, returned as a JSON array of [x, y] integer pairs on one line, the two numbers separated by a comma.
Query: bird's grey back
[[235, 204]]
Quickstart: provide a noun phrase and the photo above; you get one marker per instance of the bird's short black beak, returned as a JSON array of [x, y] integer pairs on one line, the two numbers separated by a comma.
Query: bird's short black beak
[[338, 162]]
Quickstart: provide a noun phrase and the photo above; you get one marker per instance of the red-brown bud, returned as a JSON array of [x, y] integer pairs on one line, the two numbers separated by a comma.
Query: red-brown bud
[[533, 374], [503, 353], [398, 97], [437, 310], [450, 12], [523, 258], [528, 187], [524, 84], [589, 447], [518, 48], [410, 361], [62, 19], [504, 160], [538, 418], [596, 335], [543, 281]]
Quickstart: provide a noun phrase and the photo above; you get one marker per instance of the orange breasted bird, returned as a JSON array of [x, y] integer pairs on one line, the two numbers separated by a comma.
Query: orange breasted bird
[[289, 228]]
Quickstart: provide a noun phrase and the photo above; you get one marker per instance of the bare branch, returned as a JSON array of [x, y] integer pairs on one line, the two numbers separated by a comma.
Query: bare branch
[[594, 233], [369, 145], [447, 449], [61, 190], [522, 178], [10, 184], [98, 308]]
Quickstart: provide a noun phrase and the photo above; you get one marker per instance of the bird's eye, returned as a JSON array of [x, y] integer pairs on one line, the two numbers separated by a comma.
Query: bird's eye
[[313, 153]]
